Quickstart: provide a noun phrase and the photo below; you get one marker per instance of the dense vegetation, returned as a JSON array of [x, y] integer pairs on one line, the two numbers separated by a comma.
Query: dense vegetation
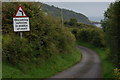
[[51, 47], [67, 14], [93, 37], [107, 38], [86, 33], [111, 25], [47, 45]]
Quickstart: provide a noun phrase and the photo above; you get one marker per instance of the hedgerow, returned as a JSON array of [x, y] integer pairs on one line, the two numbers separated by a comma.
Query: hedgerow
[[46, 36]]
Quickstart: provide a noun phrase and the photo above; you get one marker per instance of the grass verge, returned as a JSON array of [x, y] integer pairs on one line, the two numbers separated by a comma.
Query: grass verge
[[52, 66], [108, 67]]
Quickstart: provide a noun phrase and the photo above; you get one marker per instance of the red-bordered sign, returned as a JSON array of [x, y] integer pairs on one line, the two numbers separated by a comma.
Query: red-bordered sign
[[20, 12]]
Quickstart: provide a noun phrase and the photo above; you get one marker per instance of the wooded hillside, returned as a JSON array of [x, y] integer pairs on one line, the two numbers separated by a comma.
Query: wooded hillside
[[67, 14]]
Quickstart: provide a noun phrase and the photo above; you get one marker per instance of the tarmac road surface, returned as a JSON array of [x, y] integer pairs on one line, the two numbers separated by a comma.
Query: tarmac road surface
[[89, 67]]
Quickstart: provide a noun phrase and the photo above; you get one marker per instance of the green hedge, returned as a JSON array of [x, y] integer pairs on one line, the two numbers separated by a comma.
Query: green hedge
[[91, 35], [46, 37]]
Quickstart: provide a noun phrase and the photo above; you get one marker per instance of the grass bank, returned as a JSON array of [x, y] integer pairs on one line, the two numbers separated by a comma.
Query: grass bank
[[108, 67], [50, 67]]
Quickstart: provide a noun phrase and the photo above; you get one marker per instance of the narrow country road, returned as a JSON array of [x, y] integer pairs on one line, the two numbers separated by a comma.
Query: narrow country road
[[89, 66]]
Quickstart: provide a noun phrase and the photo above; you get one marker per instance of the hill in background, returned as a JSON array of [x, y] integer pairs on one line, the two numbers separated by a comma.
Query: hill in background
[[67, 14]]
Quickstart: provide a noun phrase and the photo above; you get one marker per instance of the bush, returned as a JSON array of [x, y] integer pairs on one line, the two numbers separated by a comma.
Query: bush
[[83, 35], [46, 37], [111, 27], [91, 35], [96, 38], [15, 49]]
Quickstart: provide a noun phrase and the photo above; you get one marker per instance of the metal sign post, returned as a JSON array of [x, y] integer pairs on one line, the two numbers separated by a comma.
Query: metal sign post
[[20, 35]]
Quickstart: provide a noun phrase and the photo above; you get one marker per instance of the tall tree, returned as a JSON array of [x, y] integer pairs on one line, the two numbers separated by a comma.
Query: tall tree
[[111, 25]]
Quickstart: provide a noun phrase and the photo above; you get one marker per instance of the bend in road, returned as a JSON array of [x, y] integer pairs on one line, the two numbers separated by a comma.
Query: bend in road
[[88, 67]]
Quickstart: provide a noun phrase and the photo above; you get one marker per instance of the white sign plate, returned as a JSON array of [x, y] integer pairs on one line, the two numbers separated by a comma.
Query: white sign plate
[[21, 24]]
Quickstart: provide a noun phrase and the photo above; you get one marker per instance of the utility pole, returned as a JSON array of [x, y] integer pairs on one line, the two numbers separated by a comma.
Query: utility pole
[[61, 18]]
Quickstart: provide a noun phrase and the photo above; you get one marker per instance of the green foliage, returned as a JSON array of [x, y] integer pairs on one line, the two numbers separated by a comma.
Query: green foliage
[[73, 22], [46, 37], [83, 35], [16, 50], [86, 33], [93, 35], [111, 24], [46, 69]]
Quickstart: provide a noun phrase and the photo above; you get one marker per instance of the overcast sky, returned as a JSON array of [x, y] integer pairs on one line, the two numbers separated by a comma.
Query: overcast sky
[[90, 9]]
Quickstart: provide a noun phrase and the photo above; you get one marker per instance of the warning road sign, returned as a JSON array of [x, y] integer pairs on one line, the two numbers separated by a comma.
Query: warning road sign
[[20, 12], [21, 21]]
